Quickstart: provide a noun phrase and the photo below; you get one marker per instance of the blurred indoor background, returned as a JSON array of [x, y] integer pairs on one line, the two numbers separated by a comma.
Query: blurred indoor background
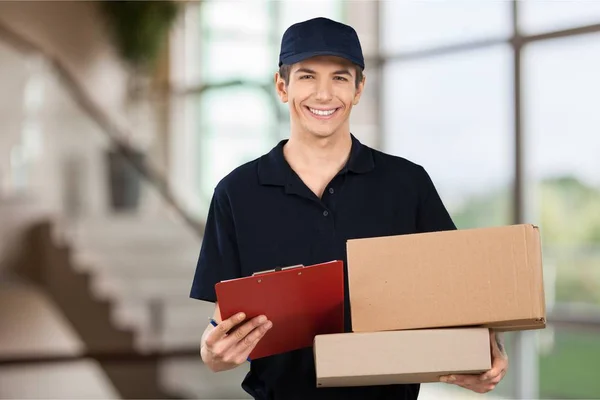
[[118, 119]]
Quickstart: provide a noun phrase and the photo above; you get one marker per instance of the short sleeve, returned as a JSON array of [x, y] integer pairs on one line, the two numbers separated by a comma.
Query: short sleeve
[[432, 215], [218, 259]]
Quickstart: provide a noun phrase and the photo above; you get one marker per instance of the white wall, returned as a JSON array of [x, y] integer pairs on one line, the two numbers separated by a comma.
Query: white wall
[[31, 96], [365, 123], [75, 32]]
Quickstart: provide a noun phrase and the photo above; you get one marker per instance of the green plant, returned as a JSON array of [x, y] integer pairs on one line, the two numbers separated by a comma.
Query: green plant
[[140, 28]]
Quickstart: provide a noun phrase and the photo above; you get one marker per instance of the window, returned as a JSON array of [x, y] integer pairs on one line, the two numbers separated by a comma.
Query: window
[[226, 59], [234, 119], [239, 116], [292, 11], [561, 96], [237, 125], [537, 16], [248, 16], [569, 366], [415, 25], [453, 115]]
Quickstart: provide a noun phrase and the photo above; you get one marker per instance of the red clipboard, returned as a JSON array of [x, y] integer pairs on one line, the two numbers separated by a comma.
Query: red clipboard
[[301, 301]]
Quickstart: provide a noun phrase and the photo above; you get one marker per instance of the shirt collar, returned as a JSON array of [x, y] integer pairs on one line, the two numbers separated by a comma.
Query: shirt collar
[[273, 169]]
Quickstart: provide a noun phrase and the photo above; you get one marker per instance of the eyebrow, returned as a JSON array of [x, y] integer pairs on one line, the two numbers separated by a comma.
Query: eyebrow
[[310, 71], [305, 70]]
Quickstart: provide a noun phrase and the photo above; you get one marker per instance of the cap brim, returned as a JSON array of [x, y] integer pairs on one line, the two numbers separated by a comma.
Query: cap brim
[[303, 56]]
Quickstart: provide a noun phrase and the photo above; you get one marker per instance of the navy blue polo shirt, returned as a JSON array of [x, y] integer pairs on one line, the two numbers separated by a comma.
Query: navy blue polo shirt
[[263, 216]]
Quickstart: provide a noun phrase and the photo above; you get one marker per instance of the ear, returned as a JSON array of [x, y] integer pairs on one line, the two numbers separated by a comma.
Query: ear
[[359, 90], [281, 88]]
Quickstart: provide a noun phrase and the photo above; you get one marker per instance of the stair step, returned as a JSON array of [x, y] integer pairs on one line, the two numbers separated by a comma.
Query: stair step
[[146, 272], [181, 338], [143, 287], [172, 315], [139, 264], [32, 323]]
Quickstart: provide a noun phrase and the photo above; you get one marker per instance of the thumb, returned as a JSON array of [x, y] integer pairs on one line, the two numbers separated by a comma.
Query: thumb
[[497, 345]]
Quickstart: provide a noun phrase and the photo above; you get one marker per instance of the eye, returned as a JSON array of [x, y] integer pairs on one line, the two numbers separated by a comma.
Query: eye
[[341, 78], [306, 77]]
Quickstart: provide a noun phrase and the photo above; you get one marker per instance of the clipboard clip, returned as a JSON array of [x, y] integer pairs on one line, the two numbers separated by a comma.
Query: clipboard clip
[[279, 269]]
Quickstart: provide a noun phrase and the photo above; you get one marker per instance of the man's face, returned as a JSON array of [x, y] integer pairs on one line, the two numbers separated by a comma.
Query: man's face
[[320, 93]]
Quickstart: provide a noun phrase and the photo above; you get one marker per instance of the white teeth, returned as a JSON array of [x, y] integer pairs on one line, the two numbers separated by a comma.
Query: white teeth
[[323, 113]]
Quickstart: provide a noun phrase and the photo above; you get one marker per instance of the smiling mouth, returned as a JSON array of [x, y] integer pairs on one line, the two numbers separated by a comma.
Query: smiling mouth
[[322, 114]]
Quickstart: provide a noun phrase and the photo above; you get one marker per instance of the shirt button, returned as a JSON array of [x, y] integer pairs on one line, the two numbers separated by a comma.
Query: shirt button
[[325, 213], [331, 190]]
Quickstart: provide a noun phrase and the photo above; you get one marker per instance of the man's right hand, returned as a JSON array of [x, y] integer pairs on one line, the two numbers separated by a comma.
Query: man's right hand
[[228, 345]]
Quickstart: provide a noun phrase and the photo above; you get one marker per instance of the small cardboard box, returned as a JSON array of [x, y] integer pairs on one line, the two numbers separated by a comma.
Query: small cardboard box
[[392, 357], [488, 277]]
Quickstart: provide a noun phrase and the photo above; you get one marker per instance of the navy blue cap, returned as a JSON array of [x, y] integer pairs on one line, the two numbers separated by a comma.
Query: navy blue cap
[[319, 37]]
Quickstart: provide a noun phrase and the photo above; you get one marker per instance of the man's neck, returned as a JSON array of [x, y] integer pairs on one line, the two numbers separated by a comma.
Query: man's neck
[[307, 153]]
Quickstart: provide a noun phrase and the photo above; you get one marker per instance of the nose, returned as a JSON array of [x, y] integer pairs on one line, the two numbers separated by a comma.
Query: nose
[[324, 90]]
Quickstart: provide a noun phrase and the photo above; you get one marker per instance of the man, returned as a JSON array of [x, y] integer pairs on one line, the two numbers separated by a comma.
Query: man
[[302, 201]]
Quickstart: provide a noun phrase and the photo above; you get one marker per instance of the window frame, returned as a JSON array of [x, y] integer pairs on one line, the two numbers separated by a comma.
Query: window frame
[[523, 352]]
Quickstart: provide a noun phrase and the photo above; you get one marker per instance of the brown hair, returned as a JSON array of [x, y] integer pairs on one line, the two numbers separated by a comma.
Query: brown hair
[[285, 69]]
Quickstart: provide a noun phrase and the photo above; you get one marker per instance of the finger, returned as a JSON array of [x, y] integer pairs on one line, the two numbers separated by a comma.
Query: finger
[[488, 387], [241, 332], [491, 374], [462, 384], [461, 380], [451, 378], [494, 373], [245, 347], [496, 380], [221, 330], [478, 388], [499, 365]]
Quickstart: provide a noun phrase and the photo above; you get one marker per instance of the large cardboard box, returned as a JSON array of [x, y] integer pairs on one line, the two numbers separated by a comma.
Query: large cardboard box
[[412, 356], [488, 277]]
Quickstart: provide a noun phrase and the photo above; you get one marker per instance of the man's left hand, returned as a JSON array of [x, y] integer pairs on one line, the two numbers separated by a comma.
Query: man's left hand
[[487, 381]]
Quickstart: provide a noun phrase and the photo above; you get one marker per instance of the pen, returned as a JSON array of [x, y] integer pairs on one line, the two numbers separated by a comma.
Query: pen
[[214, 323]]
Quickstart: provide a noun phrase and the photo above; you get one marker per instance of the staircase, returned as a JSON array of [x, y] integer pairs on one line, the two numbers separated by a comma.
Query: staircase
[[123, 283], [146, 264], [50, 265]]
